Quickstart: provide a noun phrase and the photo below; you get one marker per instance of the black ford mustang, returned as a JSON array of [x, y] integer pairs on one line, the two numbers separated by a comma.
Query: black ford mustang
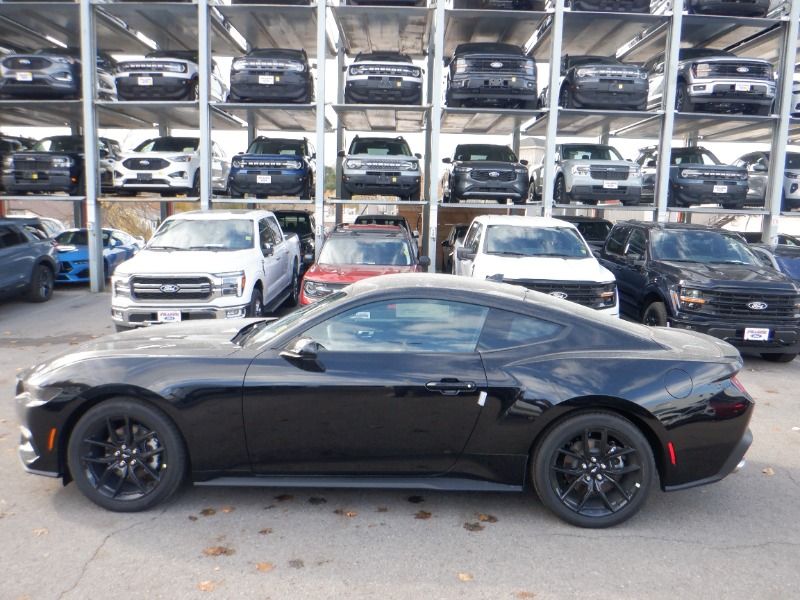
[[402, 381]]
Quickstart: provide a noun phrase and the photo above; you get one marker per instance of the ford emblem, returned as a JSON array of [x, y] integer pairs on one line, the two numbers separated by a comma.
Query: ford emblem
[[24, 61], [757, 305], [169, 288], [494, 174], [742, 69], [559, 295], [144, 163], [496, 64]]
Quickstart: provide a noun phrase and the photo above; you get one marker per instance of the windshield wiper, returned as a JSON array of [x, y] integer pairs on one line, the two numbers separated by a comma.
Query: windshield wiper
[[562, 256], [509, 253], [208, 247], [152, 247]]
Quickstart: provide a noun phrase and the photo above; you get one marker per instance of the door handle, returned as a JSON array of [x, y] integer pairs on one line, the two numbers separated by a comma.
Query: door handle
[[450, 387]]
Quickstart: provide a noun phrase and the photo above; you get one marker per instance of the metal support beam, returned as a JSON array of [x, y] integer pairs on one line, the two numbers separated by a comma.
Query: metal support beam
[[340, 79], [429, 157], [429, 243], [319, 193], [204, 67], [668, 106], [165, 208], [251, 127]]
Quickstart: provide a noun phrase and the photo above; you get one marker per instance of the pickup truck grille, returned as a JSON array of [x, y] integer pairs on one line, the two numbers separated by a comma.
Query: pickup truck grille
[[508, 65], [26, 63], [381, 165], [171, 288], [754, 70], [701, 173], [154, 67], [733, 306], [499, 175], [145, 164], [30, 163], [613, 73], [612, 173], [269, 164], [386, 70], [585, 293]]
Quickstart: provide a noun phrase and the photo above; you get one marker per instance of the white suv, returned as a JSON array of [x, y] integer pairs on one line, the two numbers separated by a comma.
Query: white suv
[[169, 165], [541, 254], [166, 75], [383, 78]]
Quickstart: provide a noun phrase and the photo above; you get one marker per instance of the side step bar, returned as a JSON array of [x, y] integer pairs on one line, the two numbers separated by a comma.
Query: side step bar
[[453, 484]]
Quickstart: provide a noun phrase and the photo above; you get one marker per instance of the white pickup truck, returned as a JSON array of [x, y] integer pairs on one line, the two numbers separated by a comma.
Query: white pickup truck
[[208, 265]]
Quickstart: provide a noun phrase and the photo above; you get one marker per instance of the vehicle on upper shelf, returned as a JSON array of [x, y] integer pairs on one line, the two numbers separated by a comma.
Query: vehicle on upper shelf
[[208, 265], [707, 280], [56, 164], [10, 144], [537, 253], [302, 224], [738, 8], [274, 167], [73, 253], [169, 165], [271, 2], [272, 75], [43, 227], [757, 165], [696, 176], [451, 244], [166, 75], [491, 74], [53, 73], [510, 4], [486, 172], [355, 252], [589, 173], [794, 109], [380, 166], [386, 2], [593, 229], [383, 78], [599, 82], [715, 81], [28, 263], [623, 6]]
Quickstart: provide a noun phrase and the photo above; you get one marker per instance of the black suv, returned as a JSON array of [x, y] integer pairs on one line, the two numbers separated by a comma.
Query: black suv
[[706, 280], [486, 73], [602, 82], [630, 6], [28, 263], [55, 164], [10, 144], [272, 75], [485, 171], [593, 229]]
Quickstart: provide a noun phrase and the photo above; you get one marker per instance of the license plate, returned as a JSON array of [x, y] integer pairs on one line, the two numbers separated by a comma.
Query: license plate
[[610, 185], [394, 179], [266, 79], [144, 176], [743, 87], [720, 189], [144, 81], [24, 76], [263, 178], [756, 334], [496, 82], [169, 316]]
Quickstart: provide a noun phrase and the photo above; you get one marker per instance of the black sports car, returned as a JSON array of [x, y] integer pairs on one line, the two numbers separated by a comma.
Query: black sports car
[[401, 381]]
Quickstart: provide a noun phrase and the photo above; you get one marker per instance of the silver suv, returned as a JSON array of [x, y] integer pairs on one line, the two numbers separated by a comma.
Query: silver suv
[[380, 166]]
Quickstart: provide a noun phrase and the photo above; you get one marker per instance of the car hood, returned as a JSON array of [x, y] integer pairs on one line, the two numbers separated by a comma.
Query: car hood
[[353, 273], [393, 157], [736, 60], [183, 262], [598, 162], [487, 164], [727, 168], [165, 155], [720, 275], [280, 157], [72, 252], [543, 268]]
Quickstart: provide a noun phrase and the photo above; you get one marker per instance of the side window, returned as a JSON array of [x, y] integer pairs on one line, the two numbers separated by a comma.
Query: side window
[[637, 245], [472, 234], [615, 244], [265, 235], [10, 237], [277, 234], [411, 325], [505, 329]]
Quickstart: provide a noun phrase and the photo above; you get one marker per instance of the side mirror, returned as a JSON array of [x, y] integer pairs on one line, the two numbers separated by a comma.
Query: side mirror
[[464, 254], [759, 168], [267, 249], [308, 259], [447, 160], [302, 353], [523, 162], [650, 164], [341, 154], [424, 261], [418, 155]]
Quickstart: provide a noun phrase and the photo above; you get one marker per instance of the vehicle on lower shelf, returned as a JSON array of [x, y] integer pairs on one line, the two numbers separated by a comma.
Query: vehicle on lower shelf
[[538, 253], [696, 176], [784, 259], [737, 8], [715, 81], [757, 166], [465, 385], [450, 244], [56, 164], [385, 2], [166, 75], [590, 173], [485, 172], [784, 239], [599, 82], [593, 229], [10, 144], [273, 75], [383, 78], [623, 6], [380, 166], [28, 263], [707, 280], [355, 252], [274, 167], [42, 227], [491, 74], [169, 165], [72, 246], [302, 224]]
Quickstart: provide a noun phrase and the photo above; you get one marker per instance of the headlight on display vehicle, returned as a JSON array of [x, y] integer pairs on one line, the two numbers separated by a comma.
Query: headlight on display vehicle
[[356, 70], [634, 171], [316, 289], [61, 162], [239, 65], [230, 284], [409, 165], [294, 165], [581, 170], [297, 67], [416, 72], [688, 298], [701, 70], [183, 158], [790, 175], [587, 72], [121, 286], [688, 173], [461, 65], [236, 163], [463, 169], [8, 162], [520, 170], [607, 296], [353, 164]]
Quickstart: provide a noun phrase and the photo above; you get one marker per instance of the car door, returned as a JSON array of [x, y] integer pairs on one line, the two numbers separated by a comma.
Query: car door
[[655, 70], [270, 261], [219, 173], [471, 243], [613, 258], [282, 252], [632, 273], [394, 387], [16, 258]]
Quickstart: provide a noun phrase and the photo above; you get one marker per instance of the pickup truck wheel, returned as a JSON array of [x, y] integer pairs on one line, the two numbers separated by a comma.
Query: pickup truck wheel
[[308, 194], [763, 111], [683, 101], [294, 292], [559, 193], [41, 288], [256, 307], [779, 357], [195, 191], [565, 98], [194, 90], [655, 314]]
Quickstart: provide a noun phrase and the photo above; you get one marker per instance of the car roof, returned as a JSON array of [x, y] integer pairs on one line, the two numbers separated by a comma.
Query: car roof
[[371, 230], [411, 281], [221, 215], [581, 219], [381, 217], [521, 221], [678, 227]]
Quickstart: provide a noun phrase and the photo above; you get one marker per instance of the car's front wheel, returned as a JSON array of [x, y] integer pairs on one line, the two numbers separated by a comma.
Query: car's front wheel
[[594, 469], [126, 456], [256, 307], [41, 288], [294, 290], [655, 314]]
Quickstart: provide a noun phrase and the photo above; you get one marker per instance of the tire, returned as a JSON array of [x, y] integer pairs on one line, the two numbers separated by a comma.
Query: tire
[[763, 111], [682, 101], [593, 470], [529, 105], [195, 191], [565, 99], [193, 93], [294, 294], [308, 193], [559, 193], [42, 281], [256, 306], [133, 429], [779, 357], [655, 314], [414, 196]]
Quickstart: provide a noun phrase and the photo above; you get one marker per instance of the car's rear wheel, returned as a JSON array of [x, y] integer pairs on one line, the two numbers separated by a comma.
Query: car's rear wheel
[[779, 357], [294, 290], [593, 470], [655, 314], [41, 288], [195, 191], [126, 456], [256, 306], [683, 101]]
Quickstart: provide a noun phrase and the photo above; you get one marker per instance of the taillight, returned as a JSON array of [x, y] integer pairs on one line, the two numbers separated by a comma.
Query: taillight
[[738, 385]]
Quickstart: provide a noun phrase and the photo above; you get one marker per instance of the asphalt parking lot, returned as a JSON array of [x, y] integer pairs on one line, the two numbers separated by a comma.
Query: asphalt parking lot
[[739, 538]]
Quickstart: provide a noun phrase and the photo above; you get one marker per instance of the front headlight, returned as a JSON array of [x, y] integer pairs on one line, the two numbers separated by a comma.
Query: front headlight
[[230, 284], [239, 65], [790, 175], [634, 171], [416, 72], [702, 70], [297, 67], [642, 74], [607, 296], [409, 165], [461, 65], [690, 299], [8, 162], [356, 70], [587, 72], [183, 158], [236, 163], [581, 170], [530, 67], [520, 170], [463, 169], [294, 165], [121, 285], [353, 164], [64, 60], [316, 289], [61, 162]]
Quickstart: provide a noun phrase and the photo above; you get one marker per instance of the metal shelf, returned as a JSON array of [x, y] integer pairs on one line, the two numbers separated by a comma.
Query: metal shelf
[[490, 204], [508, 26], [381, 117], [591, 122], [147, 115], [276, 201], [493, 121], [140, 199], [617, 206], [43, 198], [710, 127], [373, 202], [172, 26], [268, 117], [717, 210], [35, 113], [391, 28]]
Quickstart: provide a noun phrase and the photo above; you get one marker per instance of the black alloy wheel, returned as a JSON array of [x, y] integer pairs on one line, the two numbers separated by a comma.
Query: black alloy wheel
[[655, 315], [41, 288], [558, 190], [294, 291], [126, 456], [196, 184], [194, 90], [256, 307], [594, 469]]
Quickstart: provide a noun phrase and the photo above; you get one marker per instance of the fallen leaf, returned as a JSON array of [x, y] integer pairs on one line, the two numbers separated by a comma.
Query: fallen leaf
[[218, 551], [207, 512], [265, 567], [473, 526], [423, 514], [296, 563], [206, 586], [316, 500], [487, 518], [383, 509], [524, 595], [271, 506], [266, 531], [40, 531], [284, 497], [465, 577], [192, 518], [416, 499], [346, 513], [768, 471], [228, 509]]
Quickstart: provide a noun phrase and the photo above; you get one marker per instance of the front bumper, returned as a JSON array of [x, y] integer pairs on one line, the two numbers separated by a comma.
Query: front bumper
[[756, 8], [624, 93], [139, 316], [176, 177], [162, 88], [723, 92], [46, 181], [465, 187], [282, 183], [383, 90], [41, 85], [475, 89], [73, 271], [581, 188], [630, 6], [782, 338], [393, 185], [688, 192], [285, 87]]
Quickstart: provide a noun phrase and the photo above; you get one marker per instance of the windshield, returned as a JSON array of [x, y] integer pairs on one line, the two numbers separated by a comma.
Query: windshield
[[267, 331], [496, 153], [365, 251], [701, 247], [213, 234], [168, 144], [790, 265], [283, 147], [380, 147], [695, 156], [692, 53], [78, 237], [576, 61], [589, 152], [511, 240], [381, 220], [792, 160], [596, 231], [60, 144], [299, 224]]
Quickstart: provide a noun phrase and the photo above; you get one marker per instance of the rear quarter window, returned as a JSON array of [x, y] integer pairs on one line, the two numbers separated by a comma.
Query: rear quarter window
[[504, 329]]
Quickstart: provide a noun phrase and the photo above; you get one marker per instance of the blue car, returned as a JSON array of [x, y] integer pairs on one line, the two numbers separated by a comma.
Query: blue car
[[73, 253], [274, 167]]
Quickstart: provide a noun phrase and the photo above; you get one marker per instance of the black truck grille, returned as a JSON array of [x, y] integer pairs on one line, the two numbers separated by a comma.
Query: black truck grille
[[273, 164], [585, 293], [616, 174], [734, 306], [754, 71], [26, 63], [171, 288], [507, 65], [145, 164], [491, 175], [22, 163], [387, 70]]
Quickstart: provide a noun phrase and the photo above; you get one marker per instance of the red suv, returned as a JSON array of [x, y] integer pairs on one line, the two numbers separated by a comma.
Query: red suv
[[355, 252]]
